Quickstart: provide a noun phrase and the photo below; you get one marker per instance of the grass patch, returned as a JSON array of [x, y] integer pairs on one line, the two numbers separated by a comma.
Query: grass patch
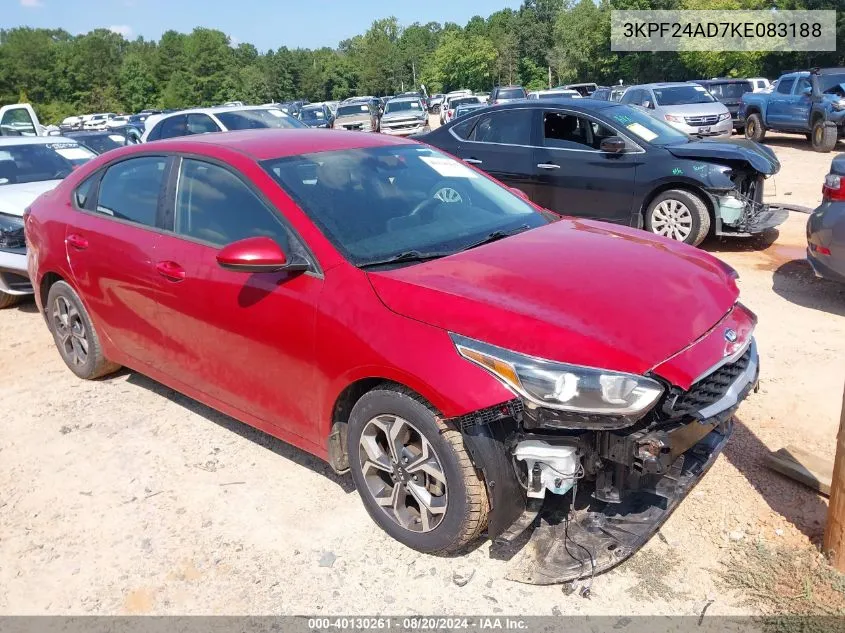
[[784, 583], [653, 570]]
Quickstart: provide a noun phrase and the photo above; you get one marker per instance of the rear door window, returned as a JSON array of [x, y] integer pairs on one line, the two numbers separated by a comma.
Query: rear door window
[[130, 190], [509, 127]]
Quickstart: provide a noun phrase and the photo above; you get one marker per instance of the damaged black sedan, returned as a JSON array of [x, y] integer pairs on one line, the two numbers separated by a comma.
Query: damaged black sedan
[[617, 163]]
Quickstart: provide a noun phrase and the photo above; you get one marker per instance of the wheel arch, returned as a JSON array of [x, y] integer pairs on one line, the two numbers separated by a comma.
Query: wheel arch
[[48, 279]]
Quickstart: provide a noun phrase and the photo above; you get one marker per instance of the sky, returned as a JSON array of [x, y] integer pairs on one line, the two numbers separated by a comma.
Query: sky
[[264, 23]]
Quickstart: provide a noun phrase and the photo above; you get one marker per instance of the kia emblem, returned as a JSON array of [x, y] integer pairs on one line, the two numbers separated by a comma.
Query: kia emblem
[[730, 335]]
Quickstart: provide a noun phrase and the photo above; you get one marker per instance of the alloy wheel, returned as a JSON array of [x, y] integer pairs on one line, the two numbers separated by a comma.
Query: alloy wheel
[[403, 473], [672, 218], [70, 331]]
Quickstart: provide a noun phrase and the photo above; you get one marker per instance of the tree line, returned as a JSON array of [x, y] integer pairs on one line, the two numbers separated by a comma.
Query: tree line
[[543, 42]]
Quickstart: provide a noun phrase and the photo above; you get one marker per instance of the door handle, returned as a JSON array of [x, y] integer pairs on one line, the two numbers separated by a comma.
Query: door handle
[[77, 241], [473, 161], [548, 166], [171, 271]]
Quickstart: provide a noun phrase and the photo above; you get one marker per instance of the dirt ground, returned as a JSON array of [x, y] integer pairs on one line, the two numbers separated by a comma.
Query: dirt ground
[[123, 497]]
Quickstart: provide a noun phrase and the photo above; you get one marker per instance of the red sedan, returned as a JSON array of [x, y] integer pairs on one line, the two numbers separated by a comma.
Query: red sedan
[[387, 308]]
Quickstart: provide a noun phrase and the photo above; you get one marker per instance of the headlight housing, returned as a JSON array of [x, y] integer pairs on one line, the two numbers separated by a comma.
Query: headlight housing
[[724, 115], [673, 118], [575, 389], [11, 231]]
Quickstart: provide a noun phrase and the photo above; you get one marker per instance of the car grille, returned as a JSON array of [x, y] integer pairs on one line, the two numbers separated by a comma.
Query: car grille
[[707, 390], [710, 119]]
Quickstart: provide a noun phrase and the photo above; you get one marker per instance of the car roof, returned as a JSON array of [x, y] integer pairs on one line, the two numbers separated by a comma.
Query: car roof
[[29, 140], [264, 144], [583, 105], [663, 84], [403, 99]]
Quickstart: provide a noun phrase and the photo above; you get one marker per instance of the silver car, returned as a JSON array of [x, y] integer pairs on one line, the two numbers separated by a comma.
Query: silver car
[[404, 116], [686, 107]]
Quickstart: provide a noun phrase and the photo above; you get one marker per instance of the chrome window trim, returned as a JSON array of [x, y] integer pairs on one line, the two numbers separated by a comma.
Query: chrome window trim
[[639, 149]]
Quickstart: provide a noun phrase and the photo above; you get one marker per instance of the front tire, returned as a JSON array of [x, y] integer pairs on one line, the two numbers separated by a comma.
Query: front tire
[[7, 300], [755, 129], [414, 476], [679, 215], [824, 136], [74, 334]]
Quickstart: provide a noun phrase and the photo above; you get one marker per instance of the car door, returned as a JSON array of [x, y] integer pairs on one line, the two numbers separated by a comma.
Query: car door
[[19, 120], [110, 243], [574, 177], [777, 112], [801, 103], [500, 143], [246, 339]]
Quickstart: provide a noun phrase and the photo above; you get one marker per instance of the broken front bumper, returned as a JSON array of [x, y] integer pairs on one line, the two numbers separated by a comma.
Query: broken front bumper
[[633, 478]]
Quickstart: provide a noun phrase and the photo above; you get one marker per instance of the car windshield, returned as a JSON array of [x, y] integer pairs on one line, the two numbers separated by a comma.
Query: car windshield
[[353, 109], [454, 103], [36, 162], [558, 95], [682, 95], [377, 203], [832, 84], [639, 123], [313, 114], [511, 93], [733, 90], [402, 106], [102, 142], [256, 119]]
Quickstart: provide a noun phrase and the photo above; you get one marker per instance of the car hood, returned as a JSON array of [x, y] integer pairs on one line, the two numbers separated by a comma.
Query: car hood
[[574, 291], [694, 109], [403, 116], [760, 157], [353, 118], [14, 199]]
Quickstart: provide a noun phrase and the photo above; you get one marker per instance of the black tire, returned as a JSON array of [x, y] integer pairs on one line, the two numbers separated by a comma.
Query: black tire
[[700, 216], [7, 300], [94, 365], [755, 129], [467, 505], [824, 136]]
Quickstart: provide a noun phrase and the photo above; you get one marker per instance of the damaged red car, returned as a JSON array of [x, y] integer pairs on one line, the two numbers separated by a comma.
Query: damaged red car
[[480, 365]]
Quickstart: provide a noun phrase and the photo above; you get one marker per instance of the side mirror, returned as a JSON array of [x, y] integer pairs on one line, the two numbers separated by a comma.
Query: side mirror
[[648, 104], [613, 145], [520, 193], [257, 255], [807, 91]]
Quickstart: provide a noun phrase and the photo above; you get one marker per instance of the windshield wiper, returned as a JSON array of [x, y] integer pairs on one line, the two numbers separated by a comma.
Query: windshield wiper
[[497, 235], [406, 256]]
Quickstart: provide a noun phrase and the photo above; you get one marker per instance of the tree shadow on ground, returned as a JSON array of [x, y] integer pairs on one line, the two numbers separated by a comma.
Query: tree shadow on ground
[[798, 504]]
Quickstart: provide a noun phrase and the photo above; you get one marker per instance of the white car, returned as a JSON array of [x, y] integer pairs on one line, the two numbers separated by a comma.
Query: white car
[[554, 94], [447, 98], [118, 121], [222, 119], [447, 112], [761, 84], [29, 166], [98, 121]]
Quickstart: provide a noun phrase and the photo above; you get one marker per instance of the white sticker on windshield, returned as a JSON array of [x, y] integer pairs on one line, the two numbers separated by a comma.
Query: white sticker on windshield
[[117, 138], [364, 108], [699, 89], [73, 153], [642, 131], [276, 113], [448, 168]]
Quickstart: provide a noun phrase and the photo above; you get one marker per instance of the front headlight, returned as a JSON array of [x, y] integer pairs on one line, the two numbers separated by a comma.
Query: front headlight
[[673, 118], [724, 115], [11, 231], [838, 105], [564, 387]]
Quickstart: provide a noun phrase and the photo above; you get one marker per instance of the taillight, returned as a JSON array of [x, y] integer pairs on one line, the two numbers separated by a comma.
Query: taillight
[[834, 187], [821, 250]]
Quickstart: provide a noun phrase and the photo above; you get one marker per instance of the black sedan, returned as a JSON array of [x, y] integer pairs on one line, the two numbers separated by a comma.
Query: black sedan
[[103, 140], [826, 226], [614, 162]]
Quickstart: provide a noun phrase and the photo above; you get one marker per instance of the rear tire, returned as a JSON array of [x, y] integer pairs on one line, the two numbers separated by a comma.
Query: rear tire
[[397, 486], [824, 136], [74, 334], [7, 300], [755, 129], [679, 215]]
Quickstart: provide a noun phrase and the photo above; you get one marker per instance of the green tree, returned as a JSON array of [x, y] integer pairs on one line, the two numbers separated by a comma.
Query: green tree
[[462, 61]]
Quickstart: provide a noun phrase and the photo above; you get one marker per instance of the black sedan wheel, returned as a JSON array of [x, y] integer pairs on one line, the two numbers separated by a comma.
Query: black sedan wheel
[[413, 473], [679, 215]]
